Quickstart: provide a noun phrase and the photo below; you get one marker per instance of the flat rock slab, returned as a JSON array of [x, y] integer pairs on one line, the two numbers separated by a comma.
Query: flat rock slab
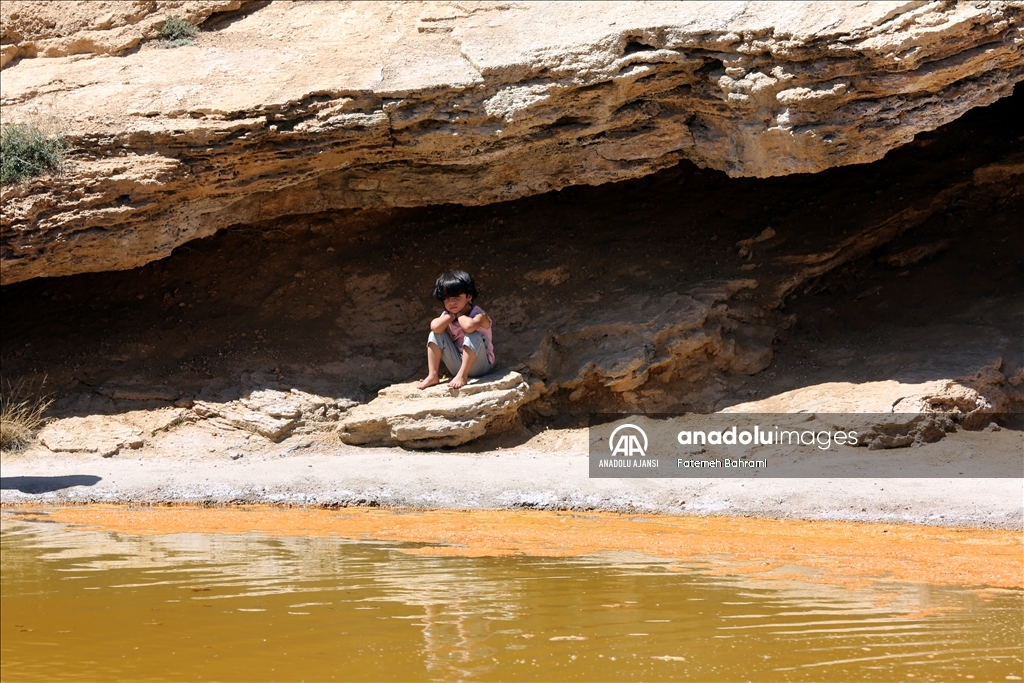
[[92, 434], [403, 415]]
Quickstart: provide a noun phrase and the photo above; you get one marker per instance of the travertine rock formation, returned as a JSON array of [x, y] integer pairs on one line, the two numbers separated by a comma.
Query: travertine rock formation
[[45, 28], [304, 107], [91, 434], [667, 337], [403, 415], [271, 413]]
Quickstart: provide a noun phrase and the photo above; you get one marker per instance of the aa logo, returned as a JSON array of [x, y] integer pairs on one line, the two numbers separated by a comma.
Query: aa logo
[[628, 442]]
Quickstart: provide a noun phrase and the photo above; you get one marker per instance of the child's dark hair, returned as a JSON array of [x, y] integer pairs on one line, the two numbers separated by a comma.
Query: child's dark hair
[[454, 283]]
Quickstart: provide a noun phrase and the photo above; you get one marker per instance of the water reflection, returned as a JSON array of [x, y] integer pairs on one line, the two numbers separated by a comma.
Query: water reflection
[[258, 607]]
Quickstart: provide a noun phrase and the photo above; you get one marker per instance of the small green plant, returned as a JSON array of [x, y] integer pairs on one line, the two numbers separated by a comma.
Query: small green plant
[[27, 151], [177, 32], [21, 416]]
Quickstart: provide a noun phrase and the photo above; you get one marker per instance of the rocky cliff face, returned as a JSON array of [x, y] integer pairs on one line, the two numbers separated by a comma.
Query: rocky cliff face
[[299, 108], [891, 286]]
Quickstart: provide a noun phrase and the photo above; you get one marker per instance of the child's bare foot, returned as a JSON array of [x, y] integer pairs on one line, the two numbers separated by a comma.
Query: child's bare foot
[[458, 382], [430, 381]]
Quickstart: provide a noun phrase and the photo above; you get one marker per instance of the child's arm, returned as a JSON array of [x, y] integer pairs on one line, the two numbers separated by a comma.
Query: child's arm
[[440, 323], [480, 320]]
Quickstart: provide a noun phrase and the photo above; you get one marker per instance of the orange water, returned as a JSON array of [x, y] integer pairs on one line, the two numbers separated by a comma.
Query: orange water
[[100, 602]]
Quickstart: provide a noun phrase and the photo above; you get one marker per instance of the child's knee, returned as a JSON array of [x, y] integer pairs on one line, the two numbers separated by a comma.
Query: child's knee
[[475, 342]]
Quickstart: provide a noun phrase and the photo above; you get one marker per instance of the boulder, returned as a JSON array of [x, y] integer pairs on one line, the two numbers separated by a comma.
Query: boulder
[[403, 415], [311, 107]]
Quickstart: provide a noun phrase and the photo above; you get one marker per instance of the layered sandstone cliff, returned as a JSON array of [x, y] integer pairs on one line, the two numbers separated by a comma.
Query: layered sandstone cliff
[[291, 108]]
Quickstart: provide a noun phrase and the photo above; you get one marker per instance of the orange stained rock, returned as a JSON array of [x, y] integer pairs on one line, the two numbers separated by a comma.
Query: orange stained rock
[[841, 552]]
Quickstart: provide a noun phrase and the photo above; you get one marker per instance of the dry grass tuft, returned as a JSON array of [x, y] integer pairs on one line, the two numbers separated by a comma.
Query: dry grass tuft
[[21, 415]]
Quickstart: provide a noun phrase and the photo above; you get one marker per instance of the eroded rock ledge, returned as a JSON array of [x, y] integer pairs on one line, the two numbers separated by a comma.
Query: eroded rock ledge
[[43, 28], [301, 108]]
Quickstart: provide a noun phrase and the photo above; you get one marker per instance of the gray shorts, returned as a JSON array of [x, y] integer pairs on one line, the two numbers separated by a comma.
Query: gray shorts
[[451, 354]]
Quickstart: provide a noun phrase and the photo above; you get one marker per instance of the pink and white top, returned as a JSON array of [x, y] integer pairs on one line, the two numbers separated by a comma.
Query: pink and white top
[[455, 329]]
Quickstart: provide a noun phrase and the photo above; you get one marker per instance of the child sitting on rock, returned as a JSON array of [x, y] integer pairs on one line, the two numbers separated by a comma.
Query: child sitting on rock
[[461, 336]]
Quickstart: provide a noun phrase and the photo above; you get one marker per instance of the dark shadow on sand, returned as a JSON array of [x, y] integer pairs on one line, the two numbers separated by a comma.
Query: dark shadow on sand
[[47, 484]]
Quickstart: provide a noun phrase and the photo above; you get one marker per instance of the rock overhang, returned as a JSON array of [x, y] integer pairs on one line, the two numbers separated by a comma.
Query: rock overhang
[[303, 109]]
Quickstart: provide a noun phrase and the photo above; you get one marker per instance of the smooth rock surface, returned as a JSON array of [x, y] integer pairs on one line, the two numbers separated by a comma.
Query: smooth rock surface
[[308, 107], [403, 415]]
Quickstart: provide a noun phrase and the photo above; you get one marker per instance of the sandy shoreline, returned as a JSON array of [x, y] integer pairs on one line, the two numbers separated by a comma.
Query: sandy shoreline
[[547, 472]]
